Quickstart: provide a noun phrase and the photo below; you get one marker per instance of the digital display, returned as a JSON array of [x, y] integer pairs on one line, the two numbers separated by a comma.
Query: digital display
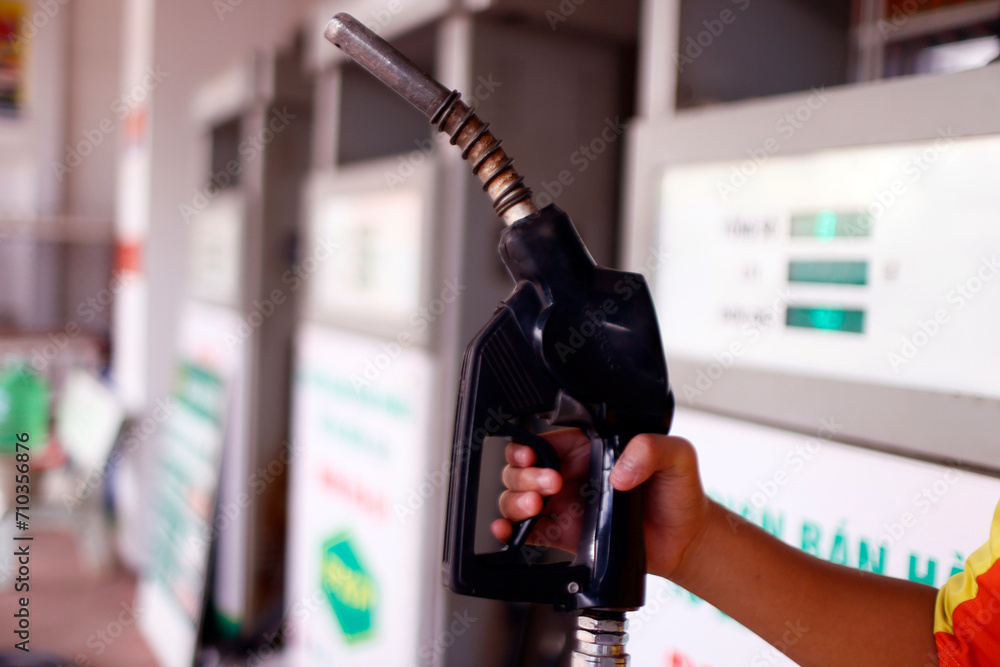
[[831, 273], [853, 254], [826, 224], [825, 318]]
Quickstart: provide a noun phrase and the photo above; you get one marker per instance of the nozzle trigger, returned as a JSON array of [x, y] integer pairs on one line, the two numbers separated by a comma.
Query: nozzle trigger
[[546, 458]]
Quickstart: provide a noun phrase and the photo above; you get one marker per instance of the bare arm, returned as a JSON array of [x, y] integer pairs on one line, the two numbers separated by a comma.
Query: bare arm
[[818, 613]]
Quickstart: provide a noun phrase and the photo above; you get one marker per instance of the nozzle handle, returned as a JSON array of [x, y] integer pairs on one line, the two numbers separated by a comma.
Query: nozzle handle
[[576, 345]]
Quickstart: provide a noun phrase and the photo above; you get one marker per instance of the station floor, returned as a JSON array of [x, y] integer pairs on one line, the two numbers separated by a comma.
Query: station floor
[[85, 619]]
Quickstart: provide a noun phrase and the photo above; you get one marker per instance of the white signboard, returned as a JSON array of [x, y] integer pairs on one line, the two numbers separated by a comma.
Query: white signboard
[[370, 225], [375, 268], [189, 452], [173, 585], [357, 541], [852, 506], [216, 248], [88, 419]]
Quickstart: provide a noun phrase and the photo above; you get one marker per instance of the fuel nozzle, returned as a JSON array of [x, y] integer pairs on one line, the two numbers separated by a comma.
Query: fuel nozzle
[[546, 250], [445, 109]]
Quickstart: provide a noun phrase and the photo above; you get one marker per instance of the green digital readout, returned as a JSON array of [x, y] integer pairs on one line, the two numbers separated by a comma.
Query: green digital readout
[[829, 272], [825, 318], [826, 225]]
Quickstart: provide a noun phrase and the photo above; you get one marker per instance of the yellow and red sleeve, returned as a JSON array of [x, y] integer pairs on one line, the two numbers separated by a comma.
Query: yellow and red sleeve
[[967, 614]]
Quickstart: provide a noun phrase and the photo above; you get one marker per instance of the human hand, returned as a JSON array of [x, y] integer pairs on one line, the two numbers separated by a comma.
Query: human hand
[[676, 509]]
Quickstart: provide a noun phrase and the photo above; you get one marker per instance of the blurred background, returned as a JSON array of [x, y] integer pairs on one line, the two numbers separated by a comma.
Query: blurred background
[[237, 276]]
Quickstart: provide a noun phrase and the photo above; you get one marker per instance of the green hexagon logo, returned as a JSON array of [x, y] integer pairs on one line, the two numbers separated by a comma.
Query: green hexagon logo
[[350, 589]]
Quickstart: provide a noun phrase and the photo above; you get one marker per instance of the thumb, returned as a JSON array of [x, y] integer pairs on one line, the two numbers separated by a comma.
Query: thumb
[[649, 453]]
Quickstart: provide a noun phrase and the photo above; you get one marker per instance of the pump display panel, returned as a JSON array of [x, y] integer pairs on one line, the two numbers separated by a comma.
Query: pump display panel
[[876, 264]]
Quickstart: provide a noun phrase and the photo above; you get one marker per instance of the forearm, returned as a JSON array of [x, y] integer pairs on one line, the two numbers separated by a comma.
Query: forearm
[[818, 613]]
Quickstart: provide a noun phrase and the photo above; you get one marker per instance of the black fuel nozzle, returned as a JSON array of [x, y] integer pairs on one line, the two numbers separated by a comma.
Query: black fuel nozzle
[[575, 344], [579, 345]]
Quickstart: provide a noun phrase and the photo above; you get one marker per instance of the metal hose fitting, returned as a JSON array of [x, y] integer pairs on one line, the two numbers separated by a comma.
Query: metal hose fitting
[[600, 639]]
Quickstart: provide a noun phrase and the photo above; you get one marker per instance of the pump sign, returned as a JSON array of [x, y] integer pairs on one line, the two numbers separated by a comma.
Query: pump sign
[[872, 511], [361, 460]]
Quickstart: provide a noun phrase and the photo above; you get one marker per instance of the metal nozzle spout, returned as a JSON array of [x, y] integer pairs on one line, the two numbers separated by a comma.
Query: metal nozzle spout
[[386, 63], [445, 110]]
